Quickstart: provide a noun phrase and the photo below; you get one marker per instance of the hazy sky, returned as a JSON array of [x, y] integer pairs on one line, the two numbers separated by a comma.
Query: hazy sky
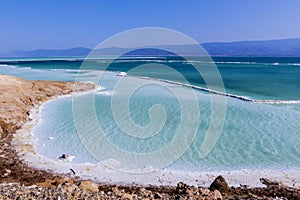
[[32, 24]]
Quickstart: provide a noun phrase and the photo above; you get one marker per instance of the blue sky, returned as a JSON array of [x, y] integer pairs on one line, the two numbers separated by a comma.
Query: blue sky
[[34, 24]]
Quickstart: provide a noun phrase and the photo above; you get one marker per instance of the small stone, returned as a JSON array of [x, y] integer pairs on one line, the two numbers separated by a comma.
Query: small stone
[[70, 188], [119, 194], [142, 190], [6, 173], [157, 196], [66, 157], [204, 191], [115, 190], [89, 186], [181, 188], [126, 197], [216, 195]]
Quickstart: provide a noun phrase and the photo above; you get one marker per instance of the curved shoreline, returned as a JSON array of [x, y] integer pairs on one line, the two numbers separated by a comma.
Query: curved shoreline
[[14, 169], [17, 98], [103, 174]]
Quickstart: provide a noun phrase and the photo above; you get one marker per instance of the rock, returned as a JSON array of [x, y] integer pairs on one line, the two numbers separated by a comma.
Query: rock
[[142, 190], [269, 183], [6, 173], [89, 186], [48, 183], [73, 172], [157, 196], [204, 191], [126, 197], [66, 157], [219, 184], [216, 195], [115, 189], [191, 191], [181, 188], [70, 188], [119, 194], [144, 193]]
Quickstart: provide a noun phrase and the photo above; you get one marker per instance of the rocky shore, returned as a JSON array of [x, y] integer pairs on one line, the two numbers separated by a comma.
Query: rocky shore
[[17, 98], [19, 181]]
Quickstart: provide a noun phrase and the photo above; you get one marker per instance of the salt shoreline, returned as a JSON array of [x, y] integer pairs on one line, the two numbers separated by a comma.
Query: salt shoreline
[[24, 142]]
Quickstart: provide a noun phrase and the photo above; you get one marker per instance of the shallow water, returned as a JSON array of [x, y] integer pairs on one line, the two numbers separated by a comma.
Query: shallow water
[[253, 136]]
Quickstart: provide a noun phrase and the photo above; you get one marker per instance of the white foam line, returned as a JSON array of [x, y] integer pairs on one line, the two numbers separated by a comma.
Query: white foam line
[[277, 101], [220, 62], [5, 65]]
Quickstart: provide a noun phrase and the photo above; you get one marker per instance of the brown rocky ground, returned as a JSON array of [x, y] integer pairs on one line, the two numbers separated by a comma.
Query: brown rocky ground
[[18, 181]]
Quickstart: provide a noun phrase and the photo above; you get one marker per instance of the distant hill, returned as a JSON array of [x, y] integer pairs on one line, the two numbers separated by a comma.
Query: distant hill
[[80, 51], [268, 48], [286, 47]]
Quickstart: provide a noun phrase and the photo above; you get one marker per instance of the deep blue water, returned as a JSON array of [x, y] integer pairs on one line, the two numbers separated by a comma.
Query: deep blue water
[[259, 78]]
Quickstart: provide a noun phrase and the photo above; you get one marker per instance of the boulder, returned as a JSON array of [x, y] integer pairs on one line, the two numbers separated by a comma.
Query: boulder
[[219, 184]]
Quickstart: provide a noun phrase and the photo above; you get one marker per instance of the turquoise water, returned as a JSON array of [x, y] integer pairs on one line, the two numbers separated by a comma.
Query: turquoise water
[[254, 135], [259, 78]]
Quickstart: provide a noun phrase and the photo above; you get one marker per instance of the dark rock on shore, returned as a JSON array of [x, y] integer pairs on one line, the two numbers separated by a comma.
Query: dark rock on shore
[[219, 184]]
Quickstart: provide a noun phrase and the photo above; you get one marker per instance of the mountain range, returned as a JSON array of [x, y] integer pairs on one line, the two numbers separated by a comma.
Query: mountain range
[[266, 48]]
